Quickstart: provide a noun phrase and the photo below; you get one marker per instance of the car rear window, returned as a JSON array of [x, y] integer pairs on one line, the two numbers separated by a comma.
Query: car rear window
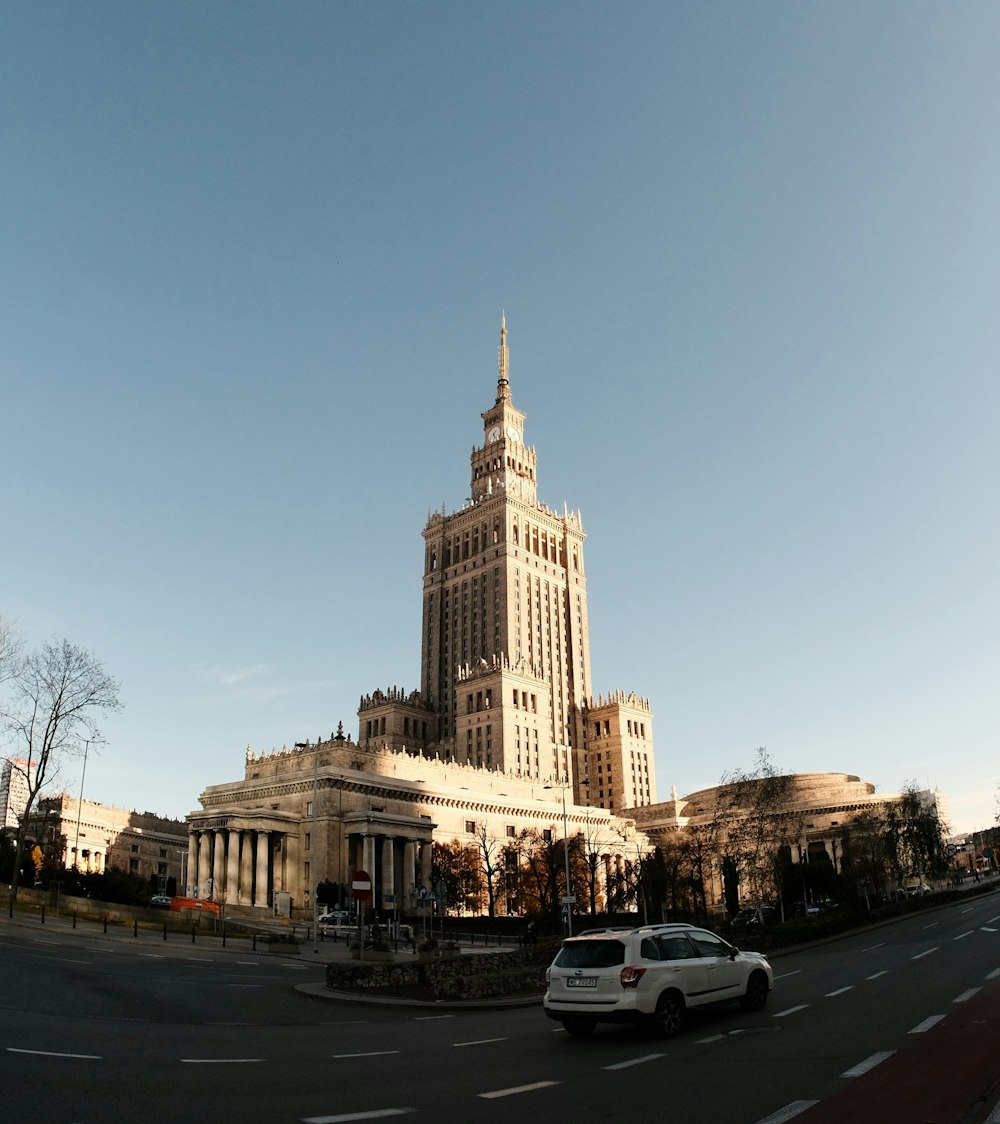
[[591, 954]]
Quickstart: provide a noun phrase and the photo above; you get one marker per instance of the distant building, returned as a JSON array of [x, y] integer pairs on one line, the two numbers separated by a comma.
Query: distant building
[[15, 778], [94, 837]]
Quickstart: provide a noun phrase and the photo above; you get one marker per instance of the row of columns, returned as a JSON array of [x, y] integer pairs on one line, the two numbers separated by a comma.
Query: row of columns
[[246, 866]]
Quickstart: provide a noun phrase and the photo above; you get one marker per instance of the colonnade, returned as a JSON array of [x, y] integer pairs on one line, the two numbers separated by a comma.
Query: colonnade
[[247, 866]]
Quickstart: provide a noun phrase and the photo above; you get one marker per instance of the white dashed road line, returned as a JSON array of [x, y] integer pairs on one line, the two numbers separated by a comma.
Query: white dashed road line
[[788, 1112], [478, 1042], [962, 936], [789, 1011], [967, 994], [220, 1061], [54, 1054], [370, 1054], [922, 1028], [635, 1061], [839, 991], [927, 952], [884, 972], [516, 1089], [344, 1117], [868, 1064]]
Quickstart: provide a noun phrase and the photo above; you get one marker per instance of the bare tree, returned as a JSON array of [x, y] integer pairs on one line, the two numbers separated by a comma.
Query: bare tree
[[10, 650], [56, 691], [490, 858]]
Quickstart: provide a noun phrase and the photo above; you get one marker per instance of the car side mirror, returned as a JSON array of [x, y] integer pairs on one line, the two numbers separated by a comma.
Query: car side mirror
[[733, 952]]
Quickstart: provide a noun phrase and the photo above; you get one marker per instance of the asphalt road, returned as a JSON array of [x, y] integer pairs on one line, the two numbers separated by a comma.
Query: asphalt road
[[897, 1025]]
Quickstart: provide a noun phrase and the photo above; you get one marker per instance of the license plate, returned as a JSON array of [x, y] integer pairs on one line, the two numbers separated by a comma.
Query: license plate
[[581, 981]]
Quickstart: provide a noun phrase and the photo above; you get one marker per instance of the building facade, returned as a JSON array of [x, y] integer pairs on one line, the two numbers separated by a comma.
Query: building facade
[[14, 785], [502, 735], [93, 837]]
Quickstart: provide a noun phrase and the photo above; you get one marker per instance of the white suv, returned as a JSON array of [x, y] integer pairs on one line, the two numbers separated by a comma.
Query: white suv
[[652, 975]]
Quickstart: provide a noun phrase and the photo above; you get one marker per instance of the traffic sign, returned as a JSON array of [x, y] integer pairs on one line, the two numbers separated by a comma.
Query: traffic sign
[[361, 885], [568, 899]]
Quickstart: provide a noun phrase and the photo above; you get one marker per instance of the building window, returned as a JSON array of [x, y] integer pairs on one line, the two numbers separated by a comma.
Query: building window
[[308, 840], [510, 831], [470, 827]]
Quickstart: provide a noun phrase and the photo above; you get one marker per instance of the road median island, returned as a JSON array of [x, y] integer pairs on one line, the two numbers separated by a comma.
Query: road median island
[[518, 972]]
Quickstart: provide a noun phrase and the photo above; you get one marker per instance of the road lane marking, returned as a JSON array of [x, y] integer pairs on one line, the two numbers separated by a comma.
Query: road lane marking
[[969, 909], [370, 1054], [516, 1089], [967, 994], [869, 1063], [711, 1038], [884, 972], [994, 1116], [922, 1028], [54, 1054], [839, 991], [343, 1117], [927, 952], [789, 1011], [931, 925], [788, 1112], [868, 949], [220, 1061], [961, 936], [635, 1061], [478, 1042], [993, 920], [993, 975], [430, 1018], [987, 929], [784, 976]]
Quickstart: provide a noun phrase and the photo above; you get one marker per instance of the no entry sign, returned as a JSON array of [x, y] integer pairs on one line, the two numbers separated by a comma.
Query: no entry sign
[[361, 885]]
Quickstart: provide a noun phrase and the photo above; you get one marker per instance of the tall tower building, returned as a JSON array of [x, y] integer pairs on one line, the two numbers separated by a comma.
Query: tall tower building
[[505, 676]]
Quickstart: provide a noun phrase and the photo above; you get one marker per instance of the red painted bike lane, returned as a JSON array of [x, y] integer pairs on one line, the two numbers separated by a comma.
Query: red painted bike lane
[[948, 1074]]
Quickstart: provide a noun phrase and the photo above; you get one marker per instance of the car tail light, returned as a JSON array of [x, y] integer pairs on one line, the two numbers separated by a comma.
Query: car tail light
[[630, 976]]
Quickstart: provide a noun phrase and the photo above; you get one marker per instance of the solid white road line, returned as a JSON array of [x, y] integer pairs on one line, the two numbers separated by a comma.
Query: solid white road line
[[869, 1063], [926, 1025], [516, 1089]]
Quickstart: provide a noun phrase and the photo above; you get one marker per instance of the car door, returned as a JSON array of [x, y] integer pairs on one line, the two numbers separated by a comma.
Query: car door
[[725, 975], [680, 966]]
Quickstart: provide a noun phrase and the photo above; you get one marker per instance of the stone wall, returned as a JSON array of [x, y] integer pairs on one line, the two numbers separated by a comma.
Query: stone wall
[[448, 977]]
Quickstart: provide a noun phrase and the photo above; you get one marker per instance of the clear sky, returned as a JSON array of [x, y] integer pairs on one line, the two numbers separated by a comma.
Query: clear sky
[[253, 259]]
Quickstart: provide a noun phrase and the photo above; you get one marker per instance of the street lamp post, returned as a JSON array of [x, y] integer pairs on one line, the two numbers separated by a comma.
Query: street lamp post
[[568, 895], [79, 806]]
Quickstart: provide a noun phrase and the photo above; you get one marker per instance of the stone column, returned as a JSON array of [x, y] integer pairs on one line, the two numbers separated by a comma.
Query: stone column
[[263, 864], [191, 874], [425, 865], [204, 863], [368, 854], [410, 872], [292, 878], [233, 868], [219, 866], [246, 869], [388, 871]]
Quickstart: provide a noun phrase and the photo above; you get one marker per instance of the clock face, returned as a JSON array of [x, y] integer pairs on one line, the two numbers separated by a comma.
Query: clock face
[[494, 434], [512, 433]]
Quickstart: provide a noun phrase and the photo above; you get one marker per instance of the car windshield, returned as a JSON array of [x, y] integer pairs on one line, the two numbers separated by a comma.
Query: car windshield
[[591, 954]]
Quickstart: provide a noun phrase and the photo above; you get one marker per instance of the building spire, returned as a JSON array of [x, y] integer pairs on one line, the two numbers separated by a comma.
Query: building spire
[[503, 386]]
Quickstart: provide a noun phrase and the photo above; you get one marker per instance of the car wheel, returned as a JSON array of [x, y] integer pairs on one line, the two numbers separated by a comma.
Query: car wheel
[[579, 1026], [756, 993], [668, 1018]]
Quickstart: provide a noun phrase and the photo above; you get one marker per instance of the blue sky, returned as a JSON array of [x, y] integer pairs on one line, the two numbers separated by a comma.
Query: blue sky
[[254, 262]]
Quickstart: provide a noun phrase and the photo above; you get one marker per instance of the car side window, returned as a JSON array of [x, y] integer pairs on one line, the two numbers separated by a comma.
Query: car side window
[[650, 949], [708, 944], [676, 948]]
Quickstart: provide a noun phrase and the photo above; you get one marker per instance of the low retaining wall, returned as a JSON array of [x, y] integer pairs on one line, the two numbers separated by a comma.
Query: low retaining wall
[[456, 977]]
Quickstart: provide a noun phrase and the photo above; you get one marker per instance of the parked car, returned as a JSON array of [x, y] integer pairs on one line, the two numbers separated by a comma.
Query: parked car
[[759, 915], [650, 975], [333, 917], [159, 901]]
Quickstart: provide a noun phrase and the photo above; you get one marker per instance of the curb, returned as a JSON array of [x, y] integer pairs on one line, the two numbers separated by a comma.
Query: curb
[[321, 991]]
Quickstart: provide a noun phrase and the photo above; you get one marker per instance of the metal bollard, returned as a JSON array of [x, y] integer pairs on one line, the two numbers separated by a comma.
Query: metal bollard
[[135, 928]]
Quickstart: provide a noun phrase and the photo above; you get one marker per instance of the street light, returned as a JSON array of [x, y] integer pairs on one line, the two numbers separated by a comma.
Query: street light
[[568, 900], [79, 806]]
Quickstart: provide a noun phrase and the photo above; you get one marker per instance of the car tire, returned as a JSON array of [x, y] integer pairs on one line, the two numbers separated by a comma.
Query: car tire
[[668, 1018], [756, 993], [579, 1026]]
